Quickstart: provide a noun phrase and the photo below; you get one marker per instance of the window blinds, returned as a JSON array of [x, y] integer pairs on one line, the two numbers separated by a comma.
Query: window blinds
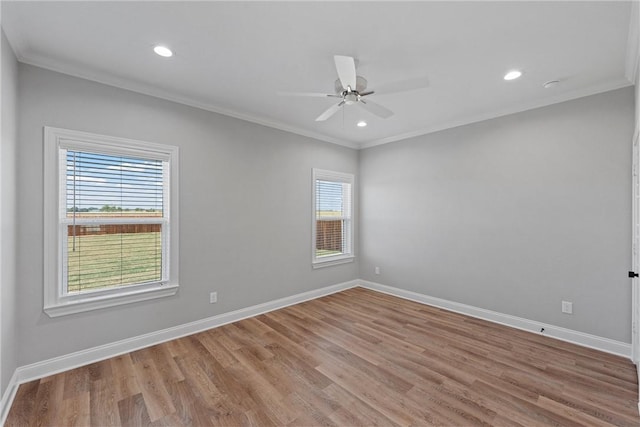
[[333, 217], [113, 220]]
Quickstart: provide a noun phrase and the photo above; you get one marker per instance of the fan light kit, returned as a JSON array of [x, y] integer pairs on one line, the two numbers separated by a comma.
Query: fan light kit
[[163, 51], [361, 124], [351, 89], [512, 75]]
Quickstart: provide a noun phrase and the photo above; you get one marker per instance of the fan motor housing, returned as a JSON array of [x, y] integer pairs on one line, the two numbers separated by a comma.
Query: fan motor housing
[[361, 85]]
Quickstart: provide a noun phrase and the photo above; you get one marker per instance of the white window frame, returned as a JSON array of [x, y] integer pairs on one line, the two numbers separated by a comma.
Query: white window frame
[[345, 257], [56, 301]]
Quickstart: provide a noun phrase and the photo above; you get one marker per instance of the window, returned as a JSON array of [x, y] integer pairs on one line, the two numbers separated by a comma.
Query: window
[[110, 214], [332, 218]]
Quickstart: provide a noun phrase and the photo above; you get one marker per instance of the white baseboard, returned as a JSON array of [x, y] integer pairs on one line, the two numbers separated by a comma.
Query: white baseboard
[[7, 397], [63, 363], [80, 358], [586, 340]]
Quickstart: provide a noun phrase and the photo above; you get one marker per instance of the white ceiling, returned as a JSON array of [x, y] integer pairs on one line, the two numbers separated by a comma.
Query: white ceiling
[[233, 57]]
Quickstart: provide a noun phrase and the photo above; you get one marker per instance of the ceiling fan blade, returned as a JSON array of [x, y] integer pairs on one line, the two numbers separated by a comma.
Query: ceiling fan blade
[[329, 112], [376, 109], [309, 94], [346, 68], [369, 92], [402, 86]]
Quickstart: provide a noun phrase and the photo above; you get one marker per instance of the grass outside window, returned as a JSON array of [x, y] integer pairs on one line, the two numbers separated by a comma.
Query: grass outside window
[[102, 261]]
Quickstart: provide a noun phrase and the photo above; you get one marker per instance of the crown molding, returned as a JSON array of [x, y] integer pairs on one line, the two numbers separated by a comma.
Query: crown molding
[[149, 90], [581, 93]]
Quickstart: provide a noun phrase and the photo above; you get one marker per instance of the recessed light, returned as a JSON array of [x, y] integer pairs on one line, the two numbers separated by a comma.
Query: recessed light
[[163, 51], [550, 84], [362, 124], [512, 75]]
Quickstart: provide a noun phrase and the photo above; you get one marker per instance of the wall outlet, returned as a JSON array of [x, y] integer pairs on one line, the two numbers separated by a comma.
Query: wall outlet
[[567, 307], [213, 297], [377, 270]]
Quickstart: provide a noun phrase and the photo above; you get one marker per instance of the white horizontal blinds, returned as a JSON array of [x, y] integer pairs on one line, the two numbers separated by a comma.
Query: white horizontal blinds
[[114, 220], [333, 217]]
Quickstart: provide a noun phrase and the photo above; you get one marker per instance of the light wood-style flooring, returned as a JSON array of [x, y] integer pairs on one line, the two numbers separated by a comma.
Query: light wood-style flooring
[[355, 358]]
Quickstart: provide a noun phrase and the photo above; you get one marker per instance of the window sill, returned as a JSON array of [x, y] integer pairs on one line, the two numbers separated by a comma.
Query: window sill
[[90, 303], [334, 261]]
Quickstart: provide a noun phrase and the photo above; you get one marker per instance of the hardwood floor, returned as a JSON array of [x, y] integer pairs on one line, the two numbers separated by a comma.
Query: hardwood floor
[[357, 357]]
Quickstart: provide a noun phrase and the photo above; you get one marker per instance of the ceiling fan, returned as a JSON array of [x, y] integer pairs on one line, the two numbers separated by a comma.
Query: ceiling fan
[[352, 89]]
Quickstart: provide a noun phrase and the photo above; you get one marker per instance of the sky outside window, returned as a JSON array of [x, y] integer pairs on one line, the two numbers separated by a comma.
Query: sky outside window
[[113, 183]]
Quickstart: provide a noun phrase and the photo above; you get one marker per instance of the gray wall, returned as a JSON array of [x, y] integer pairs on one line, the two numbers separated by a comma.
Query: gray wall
[[513, 214], [8, 283], [245, 210]]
